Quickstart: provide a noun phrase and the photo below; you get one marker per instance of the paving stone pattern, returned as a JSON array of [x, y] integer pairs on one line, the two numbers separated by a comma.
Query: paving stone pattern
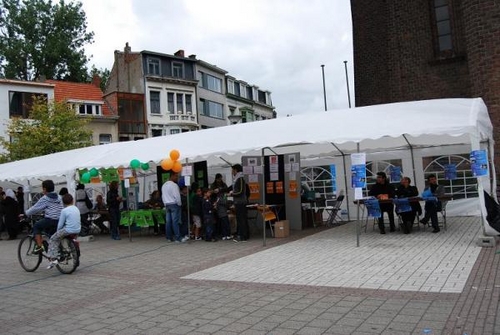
[[315, 282]]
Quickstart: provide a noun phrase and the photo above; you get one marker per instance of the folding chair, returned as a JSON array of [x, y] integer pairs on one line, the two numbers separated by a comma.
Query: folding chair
[[333, 210], [268, 216]]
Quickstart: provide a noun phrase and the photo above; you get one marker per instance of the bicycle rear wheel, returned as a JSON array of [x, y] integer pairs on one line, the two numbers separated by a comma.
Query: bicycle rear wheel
[[28, 260], [69, 256]]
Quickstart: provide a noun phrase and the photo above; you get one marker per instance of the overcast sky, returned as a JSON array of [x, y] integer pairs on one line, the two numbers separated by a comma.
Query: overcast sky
[[278, 45]]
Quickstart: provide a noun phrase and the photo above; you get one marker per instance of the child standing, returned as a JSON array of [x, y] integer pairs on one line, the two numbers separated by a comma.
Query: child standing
[[69, 223], [208, 216], [196, 212], [221, 206]]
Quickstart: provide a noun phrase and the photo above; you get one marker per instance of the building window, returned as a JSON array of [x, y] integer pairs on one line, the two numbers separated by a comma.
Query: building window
[[212, 109], [154, 66], [177, 70], [230, 86], [247, 116], [210, 82], [131, 112], [156, 132], [180, 103], [443, 24], [237, 89], [21, 103], [261, 96], [249, 93], [88, 109], [189, 104], [170, 98], [154, 101], [104, 139], [174, 131]]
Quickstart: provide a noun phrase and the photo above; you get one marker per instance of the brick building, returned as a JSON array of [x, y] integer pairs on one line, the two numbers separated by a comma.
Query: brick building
[[425, 49]]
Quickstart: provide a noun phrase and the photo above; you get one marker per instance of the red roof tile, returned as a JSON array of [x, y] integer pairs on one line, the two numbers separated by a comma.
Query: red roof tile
[[65, 90]]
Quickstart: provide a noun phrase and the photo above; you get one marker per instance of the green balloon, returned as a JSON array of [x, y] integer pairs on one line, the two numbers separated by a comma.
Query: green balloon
[[94, 172], [135, 163], [145, 166], [86, 177]]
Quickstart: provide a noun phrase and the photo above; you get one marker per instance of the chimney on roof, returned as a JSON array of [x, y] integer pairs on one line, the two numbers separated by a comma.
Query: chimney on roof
[[96, 80], [192, 56], [179, 53], [127, 48]]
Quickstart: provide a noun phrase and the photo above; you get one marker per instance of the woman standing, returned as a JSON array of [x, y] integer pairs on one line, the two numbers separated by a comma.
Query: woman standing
[[11, 212]]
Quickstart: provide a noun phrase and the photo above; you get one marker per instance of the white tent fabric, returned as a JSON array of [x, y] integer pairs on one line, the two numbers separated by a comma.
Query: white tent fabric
[[375, 128], [417, 124]]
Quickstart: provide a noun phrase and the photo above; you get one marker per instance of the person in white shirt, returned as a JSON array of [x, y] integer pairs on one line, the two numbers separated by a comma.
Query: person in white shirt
[[69, 223], [171, 196]]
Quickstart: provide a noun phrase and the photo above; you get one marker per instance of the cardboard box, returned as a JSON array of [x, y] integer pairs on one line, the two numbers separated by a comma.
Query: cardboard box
[[282, 228]]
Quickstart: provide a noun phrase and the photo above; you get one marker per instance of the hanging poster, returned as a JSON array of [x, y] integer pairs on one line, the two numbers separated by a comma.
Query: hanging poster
[[247, 169], [274, 176], [270, 187], [450, 172], [273, 164], [395, 174], [358, 170], [333, 172], [479, 163], [258, 169], [279, 187], [254, 191], [292, 189]]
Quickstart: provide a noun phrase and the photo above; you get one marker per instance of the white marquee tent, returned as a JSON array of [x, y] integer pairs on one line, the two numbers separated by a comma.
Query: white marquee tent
[[379, 128]]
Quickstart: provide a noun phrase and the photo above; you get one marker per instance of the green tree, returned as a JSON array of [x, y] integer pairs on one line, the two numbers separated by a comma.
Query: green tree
[[51, 127], [39, 38]]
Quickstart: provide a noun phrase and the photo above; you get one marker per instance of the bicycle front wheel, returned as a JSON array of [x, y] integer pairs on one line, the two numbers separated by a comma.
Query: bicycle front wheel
[[29, 260], [69, 256]]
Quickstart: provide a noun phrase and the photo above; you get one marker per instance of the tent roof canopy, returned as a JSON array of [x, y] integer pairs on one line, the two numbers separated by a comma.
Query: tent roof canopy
[[376, 128]]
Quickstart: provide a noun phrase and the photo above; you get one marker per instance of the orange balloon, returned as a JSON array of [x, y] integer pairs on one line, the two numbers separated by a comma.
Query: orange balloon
[[177, 167], [175, 154], [167, 164]]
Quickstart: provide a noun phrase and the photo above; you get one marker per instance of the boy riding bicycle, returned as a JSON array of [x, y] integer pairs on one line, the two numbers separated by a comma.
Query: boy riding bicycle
[[69, 223], [51, 205]]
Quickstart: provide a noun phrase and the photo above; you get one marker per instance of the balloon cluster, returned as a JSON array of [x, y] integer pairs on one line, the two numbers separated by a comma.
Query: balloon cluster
[[172, 162], [135, 164], [86, 176]]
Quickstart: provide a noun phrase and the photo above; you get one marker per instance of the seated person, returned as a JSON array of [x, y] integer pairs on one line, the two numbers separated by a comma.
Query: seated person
[[154, 202], [432, 207], [69, 223], [382, 190], [405, 190], [101, 209]]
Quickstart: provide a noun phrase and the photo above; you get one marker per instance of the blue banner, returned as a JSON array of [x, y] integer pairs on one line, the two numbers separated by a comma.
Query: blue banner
[[450, 172], [395, 174], [358, 176], [333, 172], [479, 163]]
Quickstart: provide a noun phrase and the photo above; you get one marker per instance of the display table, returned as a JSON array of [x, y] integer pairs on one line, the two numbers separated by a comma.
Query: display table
[[142, 217]]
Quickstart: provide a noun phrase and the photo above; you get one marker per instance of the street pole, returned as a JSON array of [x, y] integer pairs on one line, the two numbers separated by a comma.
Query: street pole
[[347, 81], [324, 87]]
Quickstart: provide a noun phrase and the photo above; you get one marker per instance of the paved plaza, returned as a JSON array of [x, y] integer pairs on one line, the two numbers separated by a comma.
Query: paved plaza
[[314, 282]]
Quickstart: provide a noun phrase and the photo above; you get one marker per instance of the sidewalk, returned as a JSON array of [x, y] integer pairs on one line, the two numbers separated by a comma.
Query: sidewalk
[[315, 282]]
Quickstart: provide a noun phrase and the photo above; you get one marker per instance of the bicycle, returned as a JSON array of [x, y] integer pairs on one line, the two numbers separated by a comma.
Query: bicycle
[[69, 253]]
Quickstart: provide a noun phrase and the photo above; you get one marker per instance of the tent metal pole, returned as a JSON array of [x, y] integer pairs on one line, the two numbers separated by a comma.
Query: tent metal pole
[[358, 229], [412, 159], [345, 180], [222, 159]]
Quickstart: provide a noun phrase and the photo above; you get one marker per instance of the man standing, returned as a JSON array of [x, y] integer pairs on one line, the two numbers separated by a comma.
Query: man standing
[[382, 190], [113, 199], [171, 196], [238, 191], [432, 207]]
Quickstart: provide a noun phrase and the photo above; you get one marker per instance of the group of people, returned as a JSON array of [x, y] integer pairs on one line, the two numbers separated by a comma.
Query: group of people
[[383, 190], [208, 208], [11, 205]]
